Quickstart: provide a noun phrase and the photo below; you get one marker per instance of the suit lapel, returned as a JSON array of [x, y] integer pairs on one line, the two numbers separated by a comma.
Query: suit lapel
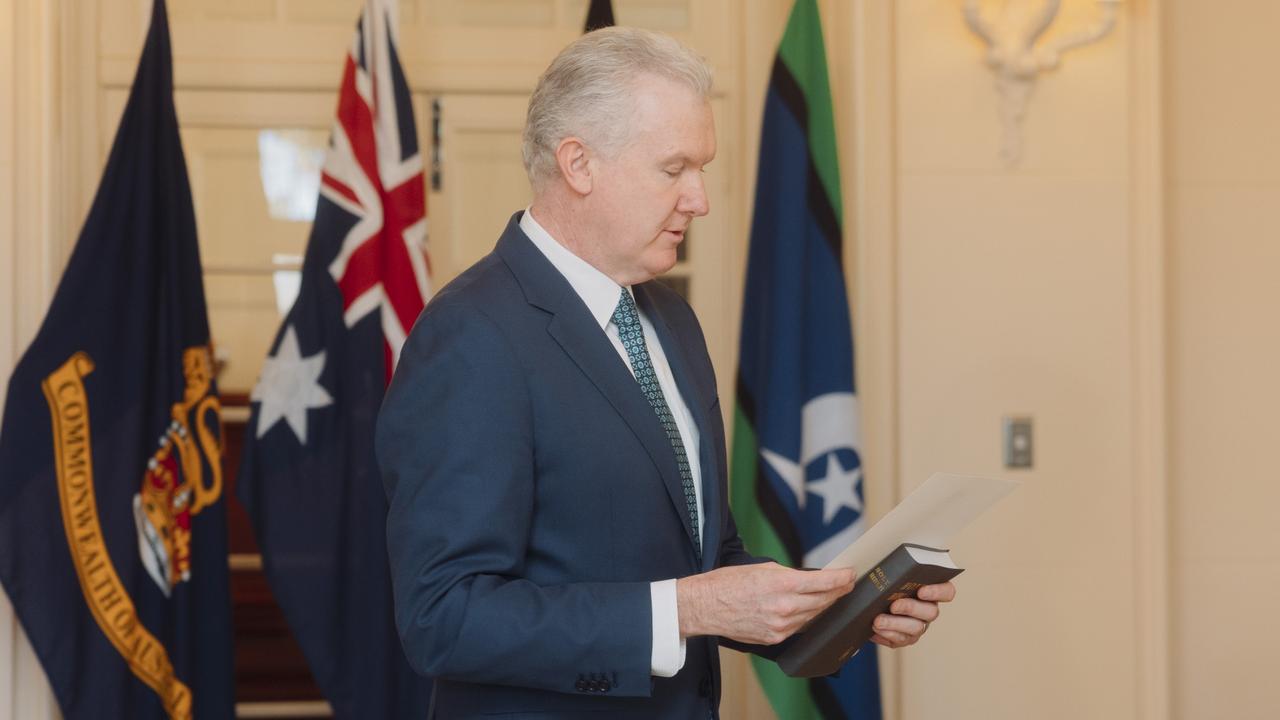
[[699, 400], [581, 338]]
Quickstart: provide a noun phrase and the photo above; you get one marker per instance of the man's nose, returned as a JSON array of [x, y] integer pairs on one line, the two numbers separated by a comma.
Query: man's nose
[[693, 201]]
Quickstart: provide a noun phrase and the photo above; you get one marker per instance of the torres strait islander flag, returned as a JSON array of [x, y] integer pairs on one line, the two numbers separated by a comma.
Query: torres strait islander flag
[[796, 465]]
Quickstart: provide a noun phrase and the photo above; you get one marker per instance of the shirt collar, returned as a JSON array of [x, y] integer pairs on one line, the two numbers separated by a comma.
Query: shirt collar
[[597, 290]]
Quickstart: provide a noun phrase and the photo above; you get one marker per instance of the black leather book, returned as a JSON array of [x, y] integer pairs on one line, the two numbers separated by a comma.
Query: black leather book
[[834, 636]]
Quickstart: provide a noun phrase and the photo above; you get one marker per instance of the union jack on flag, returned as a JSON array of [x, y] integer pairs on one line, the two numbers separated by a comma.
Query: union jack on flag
[[308, 476], [374, 171]]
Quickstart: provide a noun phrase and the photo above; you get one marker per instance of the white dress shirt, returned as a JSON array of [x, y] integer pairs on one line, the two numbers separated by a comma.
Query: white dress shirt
[[601, 293]]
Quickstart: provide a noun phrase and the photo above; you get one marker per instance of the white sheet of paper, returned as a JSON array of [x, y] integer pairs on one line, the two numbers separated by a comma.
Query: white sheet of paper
[[930, 516]]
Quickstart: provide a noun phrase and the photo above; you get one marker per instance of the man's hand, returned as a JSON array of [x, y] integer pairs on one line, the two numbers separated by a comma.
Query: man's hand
[[911, 617], [758, 604]]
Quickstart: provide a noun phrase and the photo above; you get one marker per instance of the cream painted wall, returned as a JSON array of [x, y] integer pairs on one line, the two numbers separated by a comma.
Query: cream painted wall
[[32, 252], [1224, 255], [1015, 296]]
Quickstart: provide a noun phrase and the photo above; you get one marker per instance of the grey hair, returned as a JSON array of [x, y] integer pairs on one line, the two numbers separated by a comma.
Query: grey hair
[[586, 91]]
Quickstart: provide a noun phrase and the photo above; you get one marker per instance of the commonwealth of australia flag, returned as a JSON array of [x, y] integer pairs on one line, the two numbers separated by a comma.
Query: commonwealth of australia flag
[[309, 478], [113, 540], [797, 472]]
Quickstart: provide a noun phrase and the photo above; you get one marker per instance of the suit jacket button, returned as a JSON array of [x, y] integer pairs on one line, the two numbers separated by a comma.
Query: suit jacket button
[[581, 685], [605, 686]]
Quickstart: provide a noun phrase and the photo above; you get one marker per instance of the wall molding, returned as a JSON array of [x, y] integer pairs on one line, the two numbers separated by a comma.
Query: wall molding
[[47, 74], [10, 633], [30, 99], [1150, 359]]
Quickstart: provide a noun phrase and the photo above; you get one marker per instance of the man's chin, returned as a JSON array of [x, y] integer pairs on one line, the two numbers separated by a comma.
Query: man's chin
[[662, 267]]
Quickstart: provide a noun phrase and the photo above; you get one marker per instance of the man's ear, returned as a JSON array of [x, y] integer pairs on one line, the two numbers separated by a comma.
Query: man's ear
[[573, 158]]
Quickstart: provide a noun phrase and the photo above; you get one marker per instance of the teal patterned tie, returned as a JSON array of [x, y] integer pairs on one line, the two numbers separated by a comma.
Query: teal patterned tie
[[627, 321]]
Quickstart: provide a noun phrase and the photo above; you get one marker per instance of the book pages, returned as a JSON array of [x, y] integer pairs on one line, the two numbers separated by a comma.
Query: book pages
[[930, 516]]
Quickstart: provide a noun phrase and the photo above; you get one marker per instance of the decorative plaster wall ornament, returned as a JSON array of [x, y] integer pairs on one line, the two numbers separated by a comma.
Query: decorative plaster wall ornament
[[1016, 61]]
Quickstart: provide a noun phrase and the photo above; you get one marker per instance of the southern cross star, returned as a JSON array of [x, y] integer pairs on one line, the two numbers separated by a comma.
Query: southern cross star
[[289, 386], [837, 487]]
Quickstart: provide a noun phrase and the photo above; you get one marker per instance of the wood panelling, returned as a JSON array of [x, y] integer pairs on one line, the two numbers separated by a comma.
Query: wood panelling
[[459, 45]]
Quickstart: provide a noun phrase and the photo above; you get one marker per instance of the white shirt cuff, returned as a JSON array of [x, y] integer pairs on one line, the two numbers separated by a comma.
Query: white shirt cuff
[[668, 647]]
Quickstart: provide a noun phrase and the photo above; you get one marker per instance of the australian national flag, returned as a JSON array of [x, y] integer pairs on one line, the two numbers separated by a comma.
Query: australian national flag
[[797, 470], [309, 478], [113, 540]]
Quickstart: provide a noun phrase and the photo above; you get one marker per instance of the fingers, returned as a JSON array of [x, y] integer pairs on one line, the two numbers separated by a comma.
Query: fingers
[[925, 611], [824, 581], [899, 626], [910, 618], [942, 592], [807, 605], [763, 603], [790, 598], [893, 642], [896, 631]]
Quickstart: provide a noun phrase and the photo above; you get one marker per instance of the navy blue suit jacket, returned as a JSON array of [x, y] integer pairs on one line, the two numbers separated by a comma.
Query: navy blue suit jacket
[[534, 496]]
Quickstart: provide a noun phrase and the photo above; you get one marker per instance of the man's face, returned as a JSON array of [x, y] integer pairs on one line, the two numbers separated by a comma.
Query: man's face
[[644, 196]]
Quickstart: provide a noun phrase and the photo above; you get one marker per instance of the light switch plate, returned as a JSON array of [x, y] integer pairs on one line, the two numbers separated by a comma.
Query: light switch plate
[[1018, 443]]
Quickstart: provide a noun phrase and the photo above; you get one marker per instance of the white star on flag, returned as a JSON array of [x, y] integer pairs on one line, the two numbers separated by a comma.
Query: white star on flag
[[836, 489], [828, 425], [289, 386]]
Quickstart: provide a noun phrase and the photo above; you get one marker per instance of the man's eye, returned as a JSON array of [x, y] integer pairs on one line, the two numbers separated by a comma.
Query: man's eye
[[672, 172]]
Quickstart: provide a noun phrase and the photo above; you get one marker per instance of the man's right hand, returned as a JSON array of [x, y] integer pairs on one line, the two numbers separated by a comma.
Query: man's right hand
[[758, 604]]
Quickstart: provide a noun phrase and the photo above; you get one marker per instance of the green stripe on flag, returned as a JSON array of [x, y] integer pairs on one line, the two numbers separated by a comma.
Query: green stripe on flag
[[805, 55], [789, 697], [756, 530]]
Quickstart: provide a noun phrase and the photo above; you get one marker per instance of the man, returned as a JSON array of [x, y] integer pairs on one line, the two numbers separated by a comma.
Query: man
[[552, 444]]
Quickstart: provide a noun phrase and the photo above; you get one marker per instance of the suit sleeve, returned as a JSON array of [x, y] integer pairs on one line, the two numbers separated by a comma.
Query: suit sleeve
[[455, 447], [732, 550]]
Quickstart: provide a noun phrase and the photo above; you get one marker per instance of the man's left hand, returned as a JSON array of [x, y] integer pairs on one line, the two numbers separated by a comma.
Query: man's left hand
[[911, 616]]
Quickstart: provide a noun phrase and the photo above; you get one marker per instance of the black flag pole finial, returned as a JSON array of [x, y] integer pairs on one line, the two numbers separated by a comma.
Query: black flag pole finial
[[599, 15]]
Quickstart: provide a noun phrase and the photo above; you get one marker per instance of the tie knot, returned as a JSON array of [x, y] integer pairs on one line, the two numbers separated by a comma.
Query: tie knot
[[624, 315]]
